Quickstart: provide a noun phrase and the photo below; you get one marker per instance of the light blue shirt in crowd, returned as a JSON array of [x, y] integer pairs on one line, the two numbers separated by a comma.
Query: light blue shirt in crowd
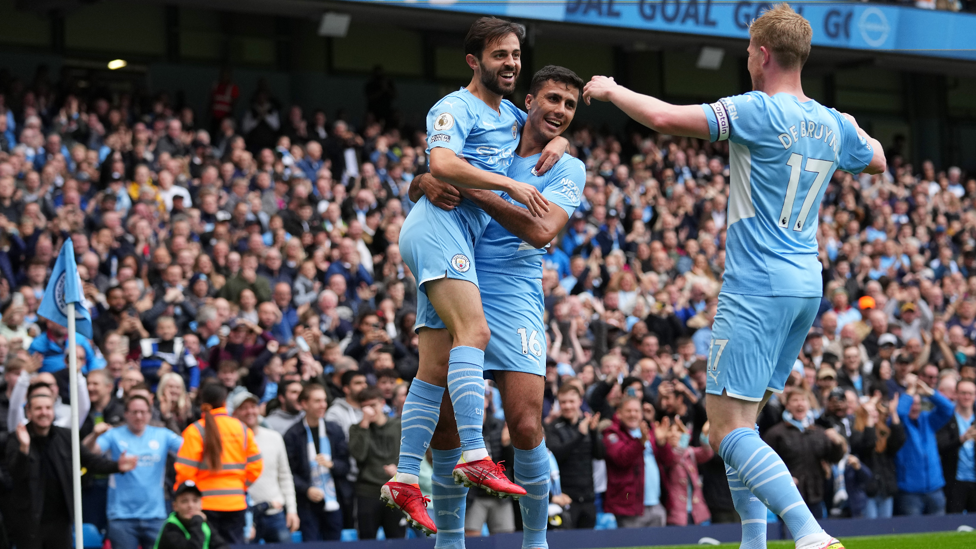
[[966, 471], [138, 494], [652, 475]]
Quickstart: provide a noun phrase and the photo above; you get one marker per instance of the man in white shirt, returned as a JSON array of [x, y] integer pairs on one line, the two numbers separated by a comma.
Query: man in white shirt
[[273, 493]]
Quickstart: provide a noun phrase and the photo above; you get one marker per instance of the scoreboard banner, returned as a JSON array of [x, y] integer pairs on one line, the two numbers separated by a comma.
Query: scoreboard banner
[[850, 25]]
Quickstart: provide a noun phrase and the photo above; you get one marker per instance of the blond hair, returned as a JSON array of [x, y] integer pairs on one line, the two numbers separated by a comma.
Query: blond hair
[[785, 33]]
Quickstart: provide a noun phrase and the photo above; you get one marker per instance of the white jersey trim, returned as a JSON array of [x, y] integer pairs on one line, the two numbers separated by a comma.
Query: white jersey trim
[[740, 191]]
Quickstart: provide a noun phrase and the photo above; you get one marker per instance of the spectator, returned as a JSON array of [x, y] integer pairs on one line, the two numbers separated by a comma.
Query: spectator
[[347, 411], [920, 478], [956, 441], [187, 526], [572, 439], [636, 454], [882, 435], [318, 456], [220, 455], [136, 507], [172, 403], [167, 353], [375, 444], [681, 479], [289, 411], [273, 493], [802, 445], [62, 411], [41, 478]]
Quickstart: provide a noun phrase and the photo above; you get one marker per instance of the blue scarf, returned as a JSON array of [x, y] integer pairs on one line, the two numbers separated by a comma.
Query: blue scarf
[[801, 425], [321, 476]]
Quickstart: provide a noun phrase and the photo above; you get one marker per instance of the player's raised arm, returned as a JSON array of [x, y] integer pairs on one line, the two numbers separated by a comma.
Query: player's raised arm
[[662, 117], [446, 166]]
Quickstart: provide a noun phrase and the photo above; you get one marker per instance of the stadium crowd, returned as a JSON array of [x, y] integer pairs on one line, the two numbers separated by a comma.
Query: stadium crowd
[[248, 267]]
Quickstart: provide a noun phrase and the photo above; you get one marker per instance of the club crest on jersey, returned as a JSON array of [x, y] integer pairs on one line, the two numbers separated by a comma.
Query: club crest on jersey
[[444, 121], [515, 131], [461, 263]]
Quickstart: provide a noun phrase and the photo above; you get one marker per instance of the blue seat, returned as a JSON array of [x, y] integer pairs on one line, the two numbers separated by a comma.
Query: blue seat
[[296, 536], [380, 534], [90, 536], [605, 521], [349, 534]]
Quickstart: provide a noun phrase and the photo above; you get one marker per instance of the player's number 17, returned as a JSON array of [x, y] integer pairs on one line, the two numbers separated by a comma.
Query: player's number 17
[[819, 167]]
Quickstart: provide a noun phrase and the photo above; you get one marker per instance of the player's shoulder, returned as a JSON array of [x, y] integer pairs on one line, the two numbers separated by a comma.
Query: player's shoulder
[[569, 163], [460, 100]]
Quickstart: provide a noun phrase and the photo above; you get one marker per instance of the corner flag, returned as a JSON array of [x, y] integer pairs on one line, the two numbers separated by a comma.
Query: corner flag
[[63, 288]]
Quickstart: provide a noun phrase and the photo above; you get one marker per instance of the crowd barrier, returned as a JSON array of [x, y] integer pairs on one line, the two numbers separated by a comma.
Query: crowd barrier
[[689, 535]]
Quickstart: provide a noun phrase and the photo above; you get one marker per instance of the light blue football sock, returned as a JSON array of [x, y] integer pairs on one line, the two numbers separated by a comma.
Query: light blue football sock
[[766, 476], [752, 512], [532, 473], [448, 500], [421, 411], [466, 385]]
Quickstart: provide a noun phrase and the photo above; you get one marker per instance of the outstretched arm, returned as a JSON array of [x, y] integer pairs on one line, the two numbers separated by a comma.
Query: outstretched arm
[[662, 117]]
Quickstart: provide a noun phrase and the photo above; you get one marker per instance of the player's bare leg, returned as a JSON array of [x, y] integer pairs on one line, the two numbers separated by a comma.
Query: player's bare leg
[[458, 304], [754, 466], [522, 395], [420, 418]]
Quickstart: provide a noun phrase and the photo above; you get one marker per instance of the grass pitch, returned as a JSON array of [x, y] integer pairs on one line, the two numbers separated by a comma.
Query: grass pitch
[[941, 540]]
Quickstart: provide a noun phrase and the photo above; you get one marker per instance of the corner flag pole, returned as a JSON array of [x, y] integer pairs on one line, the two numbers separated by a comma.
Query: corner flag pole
[[75, 440]]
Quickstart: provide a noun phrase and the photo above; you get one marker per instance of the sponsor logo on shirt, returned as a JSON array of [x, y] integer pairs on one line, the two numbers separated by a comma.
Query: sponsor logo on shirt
[[440, 137], [515, 131]]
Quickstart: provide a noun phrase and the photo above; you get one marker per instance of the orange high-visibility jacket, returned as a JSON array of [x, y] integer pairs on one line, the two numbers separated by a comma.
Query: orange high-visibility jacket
[[241, 463]]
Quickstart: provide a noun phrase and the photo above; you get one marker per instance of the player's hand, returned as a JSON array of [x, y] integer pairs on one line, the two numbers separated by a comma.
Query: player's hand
[[443, 195], [551, 154], [524, 193], [599, 88], [315, 495]]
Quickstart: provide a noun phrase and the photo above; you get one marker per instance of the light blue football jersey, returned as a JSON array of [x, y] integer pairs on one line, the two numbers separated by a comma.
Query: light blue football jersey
[[482, 136], [782, 152], [498, 250]]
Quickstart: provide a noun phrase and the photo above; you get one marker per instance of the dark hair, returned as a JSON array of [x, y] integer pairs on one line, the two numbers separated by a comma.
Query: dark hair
[[630, 380], [309, 389], [348, 376], [284, 385], [488, 29], [37, 386], [387, 373], [557, 74], [116, 288], [213, 395], [369, 393], [699, 365], [567, 388], [133, 398]]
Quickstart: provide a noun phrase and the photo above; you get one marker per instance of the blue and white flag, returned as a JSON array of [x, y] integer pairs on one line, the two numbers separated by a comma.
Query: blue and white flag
[[65, 287]]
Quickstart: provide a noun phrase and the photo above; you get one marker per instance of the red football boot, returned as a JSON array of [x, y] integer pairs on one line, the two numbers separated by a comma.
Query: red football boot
[[489, 476], [411, 502]]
